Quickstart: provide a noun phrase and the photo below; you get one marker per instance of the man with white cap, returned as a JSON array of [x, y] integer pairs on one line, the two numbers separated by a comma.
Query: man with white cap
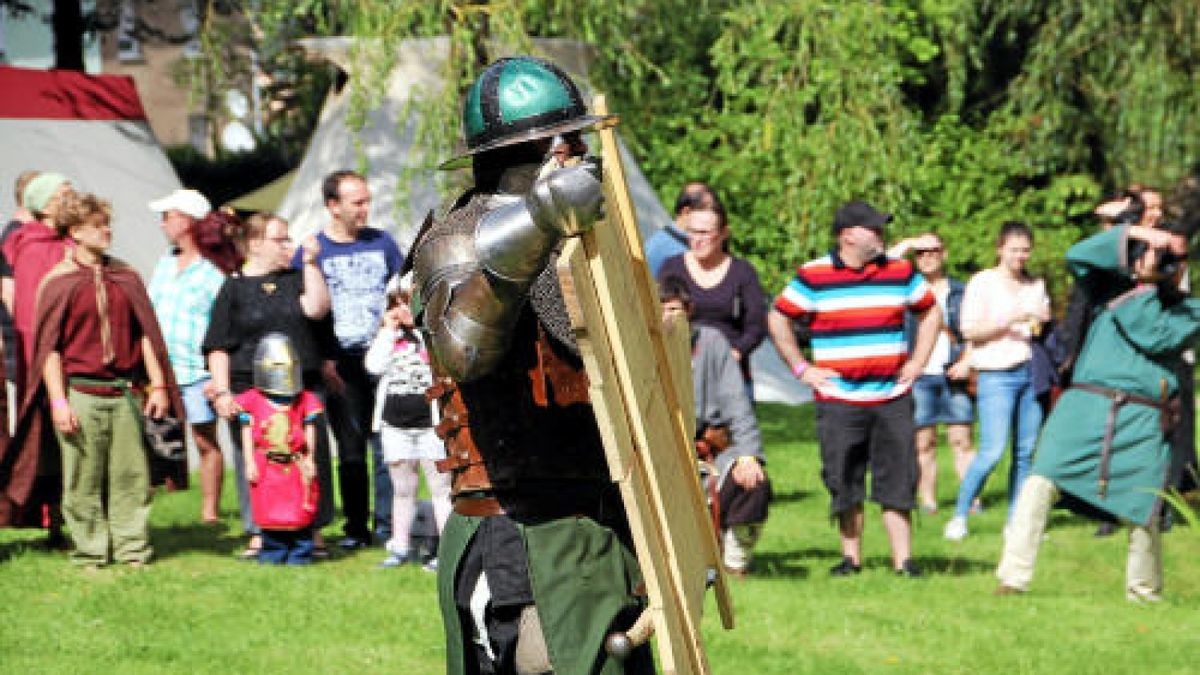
[[183, 288]]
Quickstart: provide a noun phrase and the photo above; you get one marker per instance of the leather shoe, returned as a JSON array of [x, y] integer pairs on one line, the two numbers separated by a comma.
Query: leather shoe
[[845, 568]]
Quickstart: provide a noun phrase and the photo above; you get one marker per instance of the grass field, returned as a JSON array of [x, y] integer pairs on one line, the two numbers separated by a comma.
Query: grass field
[[197, 610]]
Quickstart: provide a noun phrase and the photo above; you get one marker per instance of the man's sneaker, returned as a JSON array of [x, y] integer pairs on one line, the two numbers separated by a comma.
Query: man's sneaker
[[353, 543], [845, 568], [956, 529], [909, 569], [394, 560], [430, 566]]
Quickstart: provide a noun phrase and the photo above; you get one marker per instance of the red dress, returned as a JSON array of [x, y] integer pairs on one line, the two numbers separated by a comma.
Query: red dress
[[281, 499]]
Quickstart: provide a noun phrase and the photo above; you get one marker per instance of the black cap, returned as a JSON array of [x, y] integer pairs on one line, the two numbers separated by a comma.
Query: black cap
[[862, 214]]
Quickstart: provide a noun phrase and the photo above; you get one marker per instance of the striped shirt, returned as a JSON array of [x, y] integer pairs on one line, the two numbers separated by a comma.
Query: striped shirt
[[183, 301], [857, 322]]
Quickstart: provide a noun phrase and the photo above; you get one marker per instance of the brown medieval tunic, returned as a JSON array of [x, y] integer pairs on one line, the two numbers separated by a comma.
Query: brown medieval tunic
[[21, 455]]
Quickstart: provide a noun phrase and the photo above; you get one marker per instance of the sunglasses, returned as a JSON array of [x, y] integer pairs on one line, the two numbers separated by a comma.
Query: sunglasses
[[923, 251]]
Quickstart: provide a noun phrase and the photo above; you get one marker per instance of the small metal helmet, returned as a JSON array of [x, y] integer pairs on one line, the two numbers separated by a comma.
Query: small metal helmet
[[276, 366], [520, 99]]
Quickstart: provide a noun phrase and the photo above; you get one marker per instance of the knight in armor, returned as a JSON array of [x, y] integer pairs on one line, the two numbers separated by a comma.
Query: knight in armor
[[536, 563]]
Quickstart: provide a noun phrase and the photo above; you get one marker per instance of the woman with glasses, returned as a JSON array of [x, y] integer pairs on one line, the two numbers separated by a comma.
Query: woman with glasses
[[725, 290], [1003, 310], [268, 296], [940, 393]]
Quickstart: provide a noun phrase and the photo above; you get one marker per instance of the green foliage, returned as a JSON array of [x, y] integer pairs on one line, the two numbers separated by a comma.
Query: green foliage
[[955, 115]]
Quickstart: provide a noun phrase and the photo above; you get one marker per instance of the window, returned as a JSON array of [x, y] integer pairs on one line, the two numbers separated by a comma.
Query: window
[[129, 48]]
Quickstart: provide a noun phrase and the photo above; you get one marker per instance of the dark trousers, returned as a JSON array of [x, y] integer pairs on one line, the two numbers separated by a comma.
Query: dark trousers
[[349, 416], [286, 547]]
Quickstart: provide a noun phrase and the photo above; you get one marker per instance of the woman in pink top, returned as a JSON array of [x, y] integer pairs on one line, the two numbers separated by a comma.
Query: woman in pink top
[[1003, 309]]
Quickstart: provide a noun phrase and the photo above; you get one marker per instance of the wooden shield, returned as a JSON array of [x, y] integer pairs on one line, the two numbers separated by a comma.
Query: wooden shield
[[641, 390]]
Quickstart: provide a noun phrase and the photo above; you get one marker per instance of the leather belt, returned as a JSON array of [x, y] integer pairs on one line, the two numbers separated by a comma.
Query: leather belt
[[477, 507], [1168, 413]]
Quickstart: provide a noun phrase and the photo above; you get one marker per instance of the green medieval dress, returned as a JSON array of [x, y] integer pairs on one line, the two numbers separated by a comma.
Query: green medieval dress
[[1133, 346]]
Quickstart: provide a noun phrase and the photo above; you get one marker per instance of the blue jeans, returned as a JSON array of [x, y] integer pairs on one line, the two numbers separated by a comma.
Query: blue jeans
[[286, 547], [1005, 402]]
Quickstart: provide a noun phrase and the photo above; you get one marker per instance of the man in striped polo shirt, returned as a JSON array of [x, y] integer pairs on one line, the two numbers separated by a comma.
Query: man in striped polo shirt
[[855, 299]]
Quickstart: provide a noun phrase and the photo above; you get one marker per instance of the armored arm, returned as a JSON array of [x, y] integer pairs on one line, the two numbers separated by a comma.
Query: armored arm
[[473, 278]]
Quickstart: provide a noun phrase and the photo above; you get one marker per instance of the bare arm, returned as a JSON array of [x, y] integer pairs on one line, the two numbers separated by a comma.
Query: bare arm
[[56, 390], [927, 331], [8, 290], [222, 398], [314, 301], [780, 329], [158, 404], [248, 453]]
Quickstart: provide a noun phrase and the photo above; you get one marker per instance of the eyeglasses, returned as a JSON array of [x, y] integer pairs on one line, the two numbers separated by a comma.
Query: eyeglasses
[[703, 234], [925, 251]]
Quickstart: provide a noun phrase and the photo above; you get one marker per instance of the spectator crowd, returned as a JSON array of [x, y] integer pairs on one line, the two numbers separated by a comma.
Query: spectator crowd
[[310, 352]]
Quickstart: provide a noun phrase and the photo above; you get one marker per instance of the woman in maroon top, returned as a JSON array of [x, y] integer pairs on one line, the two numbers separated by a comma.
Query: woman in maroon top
[[726, 293]]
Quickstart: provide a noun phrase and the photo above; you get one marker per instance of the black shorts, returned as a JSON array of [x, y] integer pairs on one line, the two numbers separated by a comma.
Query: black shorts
[[880, 436]]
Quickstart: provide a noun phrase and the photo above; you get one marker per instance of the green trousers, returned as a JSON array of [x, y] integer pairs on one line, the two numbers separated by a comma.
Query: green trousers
[[582, 576], [106, 482]]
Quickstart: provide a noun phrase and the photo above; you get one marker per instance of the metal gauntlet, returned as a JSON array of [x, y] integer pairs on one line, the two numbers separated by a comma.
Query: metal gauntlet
[[515, 240]]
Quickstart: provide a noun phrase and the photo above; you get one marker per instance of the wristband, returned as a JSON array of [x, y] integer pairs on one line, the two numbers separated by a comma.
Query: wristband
[[799, 369], [60, 403]]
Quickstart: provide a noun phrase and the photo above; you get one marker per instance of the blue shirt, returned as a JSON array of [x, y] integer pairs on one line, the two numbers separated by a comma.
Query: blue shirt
[[665, 243], [357, 274]]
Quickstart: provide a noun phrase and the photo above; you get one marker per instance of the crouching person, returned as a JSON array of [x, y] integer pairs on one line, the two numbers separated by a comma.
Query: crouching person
[[1107, 440], [727, 437], [96, 345]]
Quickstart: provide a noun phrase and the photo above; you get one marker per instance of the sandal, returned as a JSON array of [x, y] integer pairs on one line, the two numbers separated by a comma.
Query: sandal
[[252, 549]]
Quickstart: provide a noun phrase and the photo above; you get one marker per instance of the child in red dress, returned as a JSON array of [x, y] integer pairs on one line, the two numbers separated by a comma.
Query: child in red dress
[[278, 435]]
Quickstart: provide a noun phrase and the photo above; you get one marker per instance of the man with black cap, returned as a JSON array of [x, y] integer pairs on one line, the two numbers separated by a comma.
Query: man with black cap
[[861, 374], [536, 565]]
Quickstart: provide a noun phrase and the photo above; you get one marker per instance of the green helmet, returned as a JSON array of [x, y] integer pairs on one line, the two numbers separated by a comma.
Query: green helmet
[[520, 99]]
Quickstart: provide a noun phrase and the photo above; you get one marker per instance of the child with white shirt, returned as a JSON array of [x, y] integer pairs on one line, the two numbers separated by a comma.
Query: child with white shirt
[[405, 422]]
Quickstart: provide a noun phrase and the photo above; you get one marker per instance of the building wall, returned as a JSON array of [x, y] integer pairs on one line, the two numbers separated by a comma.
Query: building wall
[[153, 65]]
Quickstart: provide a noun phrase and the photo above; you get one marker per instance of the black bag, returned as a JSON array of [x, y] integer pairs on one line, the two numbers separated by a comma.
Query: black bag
[[164, 438]]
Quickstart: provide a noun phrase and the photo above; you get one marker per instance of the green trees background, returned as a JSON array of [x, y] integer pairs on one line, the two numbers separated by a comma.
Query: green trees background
[[955, 115]]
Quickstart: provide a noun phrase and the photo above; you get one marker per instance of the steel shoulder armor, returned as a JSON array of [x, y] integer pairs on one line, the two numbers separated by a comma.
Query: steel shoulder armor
[[475, 268]]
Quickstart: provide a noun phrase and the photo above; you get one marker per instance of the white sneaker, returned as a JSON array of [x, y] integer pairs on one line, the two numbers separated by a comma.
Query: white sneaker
[[956, 529]]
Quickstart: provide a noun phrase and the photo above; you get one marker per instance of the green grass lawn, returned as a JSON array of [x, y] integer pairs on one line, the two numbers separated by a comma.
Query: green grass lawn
[[198, 610]]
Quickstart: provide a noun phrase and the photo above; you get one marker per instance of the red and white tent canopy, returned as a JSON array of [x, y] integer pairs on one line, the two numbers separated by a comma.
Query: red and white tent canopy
[[92, 129]]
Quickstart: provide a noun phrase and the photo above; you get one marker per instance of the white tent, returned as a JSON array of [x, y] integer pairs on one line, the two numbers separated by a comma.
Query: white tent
[[92, 129], [383, 147]]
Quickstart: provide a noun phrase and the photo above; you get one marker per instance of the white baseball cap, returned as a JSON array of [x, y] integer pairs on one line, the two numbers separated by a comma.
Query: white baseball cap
[[190, 202]]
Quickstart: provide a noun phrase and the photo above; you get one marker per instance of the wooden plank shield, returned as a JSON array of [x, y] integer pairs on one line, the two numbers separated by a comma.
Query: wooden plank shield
[[641, 390]]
